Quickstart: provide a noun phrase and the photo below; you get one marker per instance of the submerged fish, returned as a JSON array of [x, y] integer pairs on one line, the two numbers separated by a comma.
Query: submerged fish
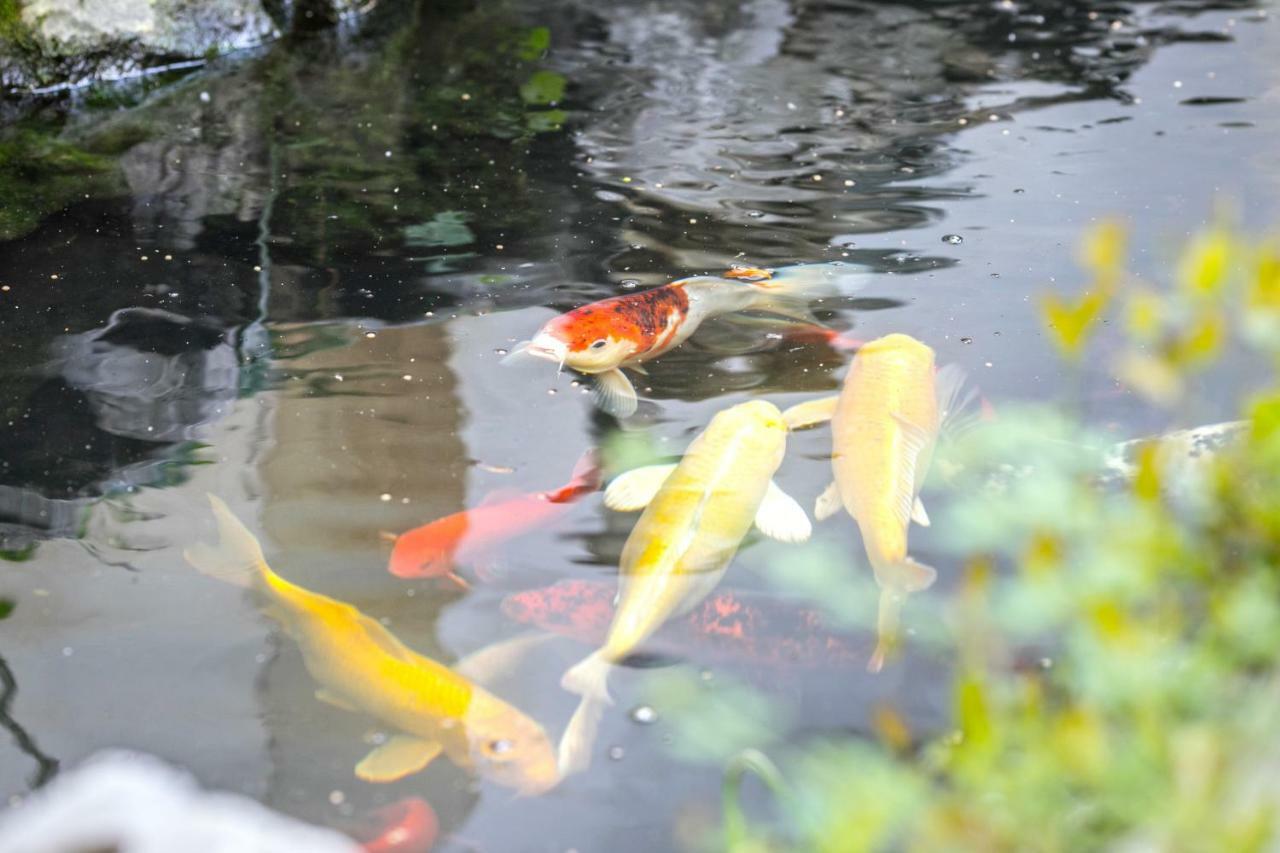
[[884, 424], [625, 331], [437, 548], [406, 826], [361, 666], [726, 626], [696, 515]]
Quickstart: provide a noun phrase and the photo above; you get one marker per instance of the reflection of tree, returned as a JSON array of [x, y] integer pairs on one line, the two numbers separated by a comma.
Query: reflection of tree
[[46, 767]]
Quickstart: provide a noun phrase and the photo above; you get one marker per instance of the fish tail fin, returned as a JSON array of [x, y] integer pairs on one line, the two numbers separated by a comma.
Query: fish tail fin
[[590, 680], [586, 478], [886, 628], [236, 557], [590, 677], [788, 291]]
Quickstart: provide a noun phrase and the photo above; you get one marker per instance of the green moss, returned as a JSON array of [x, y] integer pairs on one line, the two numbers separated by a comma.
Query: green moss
[[40, 174]]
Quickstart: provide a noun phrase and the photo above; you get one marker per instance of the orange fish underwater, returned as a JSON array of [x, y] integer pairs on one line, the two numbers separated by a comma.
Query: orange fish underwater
[[728, 626], [406, 826], [437, 548], [624, 331]]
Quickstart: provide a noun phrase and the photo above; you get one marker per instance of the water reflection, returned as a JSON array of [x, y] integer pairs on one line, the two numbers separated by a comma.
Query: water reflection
[[400, 236]]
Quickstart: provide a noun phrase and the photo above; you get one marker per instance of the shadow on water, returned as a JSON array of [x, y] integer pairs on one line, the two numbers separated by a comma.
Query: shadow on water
[[289, 279]]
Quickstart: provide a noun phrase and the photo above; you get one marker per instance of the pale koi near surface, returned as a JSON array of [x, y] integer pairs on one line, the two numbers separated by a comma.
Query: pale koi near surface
[[603, 338]]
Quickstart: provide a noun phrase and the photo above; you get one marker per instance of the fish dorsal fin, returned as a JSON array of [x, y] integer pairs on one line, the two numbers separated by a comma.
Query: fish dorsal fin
[[828, 503], [810, 413], [914, 440], [955, 398], [382, 638], [400, 756], [918, 515], [615, 394], [636, 488], [780, 517]]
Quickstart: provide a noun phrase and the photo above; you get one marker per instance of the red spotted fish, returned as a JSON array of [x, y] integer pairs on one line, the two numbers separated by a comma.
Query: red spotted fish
[[604, 337], [727, 626]]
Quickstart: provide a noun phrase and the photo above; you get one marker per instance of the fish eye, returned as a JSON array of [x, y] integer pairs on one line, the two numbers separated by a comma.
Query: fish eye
[[600, 343], [499, 747]]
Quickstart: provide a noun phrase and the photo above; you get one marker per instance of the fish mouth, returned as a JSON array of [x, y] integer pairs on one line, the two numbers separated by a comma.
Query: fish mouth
[[546, 347]]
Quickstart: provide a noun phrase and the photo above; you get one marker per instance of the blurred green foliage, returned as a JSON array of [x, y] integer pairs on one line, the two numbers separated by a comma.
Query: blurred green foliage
[[1115, 644]]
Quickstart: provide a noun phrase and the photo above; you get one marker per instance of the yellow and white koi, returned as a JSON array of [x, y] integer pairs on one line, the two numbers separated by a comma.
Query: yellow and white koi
[[696, 515], [885, 424], [361, 666]]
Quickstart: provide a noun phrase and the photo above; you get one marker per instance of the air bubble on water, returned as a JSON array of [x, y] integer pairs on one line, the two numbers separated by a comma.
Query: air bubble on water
[[644, 714], [500, 351], [1019, 191], [953, 239], [1046, 663], [205, 98], [337, 797], [616, 753], [705, 675], [629, 283], [755, 214], [966, 340]]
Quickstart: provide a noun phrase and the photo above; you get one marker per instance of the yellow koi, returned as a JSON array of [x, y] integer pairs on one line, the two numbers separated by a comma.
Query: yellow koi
[[696, 515], [361, 666], [884, 425]]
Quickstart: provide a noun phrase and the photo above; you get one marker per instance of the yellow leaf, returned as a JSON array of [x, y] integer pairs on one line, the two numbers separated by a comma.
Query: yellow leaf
[[1103, 249], [1153, 378], [1069, 323], [1265, 292], [1146, 482], [1202, 342], [1146, 310], [1206, 262]]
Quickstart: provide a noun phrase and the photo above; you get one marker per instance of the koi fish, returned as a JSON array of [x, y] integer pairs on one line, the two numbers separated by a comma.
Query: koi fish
[[885, 424], [406, 826], [696, 515], [361, 666], [625, 331], [435, 549], [727, 626]]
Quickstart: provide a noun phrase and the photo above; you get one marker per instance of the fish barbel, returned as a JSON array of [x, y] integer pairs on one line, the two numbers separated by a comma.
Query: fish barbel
[[696, 515], [361, 666]]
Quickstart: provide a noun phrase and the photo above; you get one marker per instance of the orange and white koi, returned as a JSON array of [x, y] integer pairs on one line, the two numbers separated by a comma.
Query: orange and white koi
[[438, 548], [885, 424], [604, 337]]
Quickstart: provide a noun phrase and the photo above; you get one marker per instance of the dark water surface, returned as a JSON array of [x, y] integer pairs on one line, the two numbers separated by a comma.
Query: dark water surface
[[289, 278]]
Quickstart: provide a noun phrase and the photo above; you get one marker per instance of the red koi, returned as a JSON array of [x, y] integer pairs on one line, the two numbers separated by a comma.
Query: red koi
[[624, 331], [727, 626], [406, 826], [438, 548]]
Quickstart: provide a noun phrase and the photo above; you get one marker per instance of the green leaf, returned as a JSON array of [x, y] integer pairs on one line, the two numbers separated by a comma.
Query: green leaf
[[6, 607], [535, 43], [545, 121], [448, 228], [543, 88]]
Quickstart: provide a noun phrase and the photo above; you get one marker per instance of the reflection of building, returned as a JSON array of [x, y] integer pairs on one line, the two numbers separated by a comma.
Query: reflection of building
[[365, 436], [152, 375]]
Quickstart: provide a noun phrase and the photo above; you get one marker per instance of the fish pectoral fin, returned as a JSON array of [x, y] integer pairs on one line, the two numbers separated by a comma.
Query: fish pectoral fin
[[918, 515], [810, 413], [828, 503], [615, 394], [915, 440], [636, 488], [780, 517], [955, 400], [330, 698], [400, 756], [639, 368]]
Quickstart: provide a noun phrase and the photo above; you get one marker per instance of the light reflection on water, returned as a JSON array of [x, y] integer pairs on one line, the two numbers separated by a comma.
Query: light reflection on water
[[693, 139]]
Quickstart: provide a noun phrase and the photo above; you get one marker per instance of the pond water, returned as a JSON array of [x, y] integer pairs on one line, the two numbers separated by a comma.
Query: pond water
[[288, 279]]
